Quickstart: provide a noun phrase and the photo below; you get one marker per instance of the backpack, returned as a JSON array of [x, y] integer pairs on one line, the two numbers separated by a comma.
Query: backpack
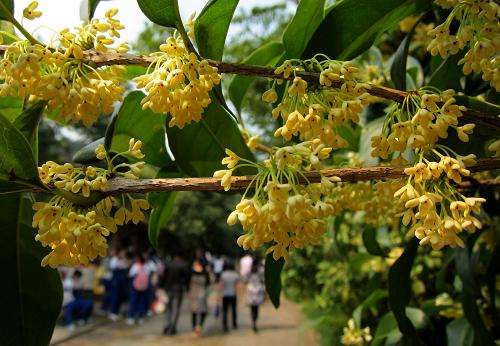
[[141, 280]]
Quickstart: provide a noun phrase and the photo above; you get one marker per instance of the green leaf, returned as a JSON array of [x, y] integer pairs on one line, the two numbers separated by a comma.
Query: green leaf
[[16, 157], [110, 130], [369, 302], [266, 55], [371, 244], [398, 66], [92, 6], [471, 292], [199, 147], [161, 12], [27, 123], [162, 205], [459, 333], [6, 9], [448, 74], [134, 122], [31, 295], [302, 26], [352, 26], [11, 107], [86, 155], [400, 287], [387, 327], [211, 27], [486, 108], [272, 278]]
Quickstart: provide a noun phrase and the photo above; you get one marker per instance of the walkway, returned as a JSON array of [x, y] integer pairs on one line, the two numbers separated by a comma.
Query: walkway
[[276, 327]]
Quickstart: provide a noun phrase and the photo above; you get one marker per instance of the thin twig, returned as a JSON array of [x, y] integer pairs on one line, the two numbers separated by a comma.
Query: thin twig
[[111, 58], [119, 185]]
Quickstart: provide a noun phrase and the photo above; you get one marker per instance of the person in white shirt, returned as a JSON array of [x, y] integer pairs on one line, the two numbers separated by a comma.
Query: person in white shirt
[[246, 266], [228, 282]]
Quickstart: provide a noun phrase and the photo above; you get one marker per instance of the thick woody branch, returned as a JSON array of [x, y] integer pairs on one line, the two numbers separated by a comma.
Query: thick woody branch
[[118, 185], [105, 59]]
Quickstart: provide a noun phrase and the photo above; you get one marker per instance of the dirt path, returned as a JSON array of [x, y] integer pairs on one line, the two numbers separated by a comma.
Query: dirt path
[[276, 327]]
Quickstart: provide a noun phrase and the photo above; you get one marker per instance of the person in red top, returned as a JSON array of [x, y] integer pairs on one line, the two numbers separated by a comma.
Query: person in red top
[[140, 275]]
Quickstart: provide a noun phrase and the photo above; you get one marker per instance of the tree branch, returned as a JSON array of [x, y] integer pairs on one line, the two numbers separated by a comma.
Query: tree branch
[[104, 59], [119, 185]]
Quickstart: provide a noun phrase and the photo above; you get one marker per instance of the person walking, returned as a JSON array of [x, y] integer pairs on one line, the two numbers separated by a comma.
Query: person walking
[[198, 293], [76, 306], [174, 282], [218, 266], [228, 282], [245, 266], [118, 286], [255, 293], [140, 274]]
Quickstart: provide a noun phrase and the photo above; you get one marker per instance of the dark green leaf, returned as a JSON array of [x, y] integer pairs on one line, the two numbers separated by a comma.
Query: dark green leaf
[[134, 122], [110, 130], [161, 12], [32, 295], [272, 278], [92, 6], [486, 108], [352, 26], [28, 290], [470, 292], [448, 74], [211, 27], [6, 9], [398, 67], [459, 332], [305, 21], [86, 155], [199, 147], [266, 55], [16, 157], [27, 123], [400, 287], [371, 243]]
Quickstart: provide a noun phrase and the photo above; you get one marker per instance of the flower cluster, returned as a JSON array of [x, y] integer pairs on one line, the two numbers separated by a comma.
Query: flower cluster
[[478, 31], [317, 113], [179, 83], [282, 211], [355, 336], [75, 89], [437, 212], [418, 123], [76, 233]]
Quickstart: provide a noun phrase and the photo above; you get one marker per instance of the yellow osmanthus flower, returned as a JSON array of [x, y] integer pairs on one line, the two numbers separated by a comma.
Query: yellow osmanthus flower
[[317, 113], [30, 11], [436, 211], [77, 234], [282, 212], [478, 30], [430, 118], [179, 83], [355, 336], [452, 309], [76, 90]]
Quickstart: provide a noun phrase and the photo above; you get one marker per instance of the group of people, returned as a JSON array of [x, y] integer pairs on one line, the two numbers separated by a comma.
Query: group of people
[[196, 281], [143, 280]]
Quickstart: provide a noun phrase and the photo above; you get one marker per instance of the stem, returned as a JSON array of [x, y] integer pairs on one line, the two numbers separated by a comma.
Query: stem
[[17, 24]]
